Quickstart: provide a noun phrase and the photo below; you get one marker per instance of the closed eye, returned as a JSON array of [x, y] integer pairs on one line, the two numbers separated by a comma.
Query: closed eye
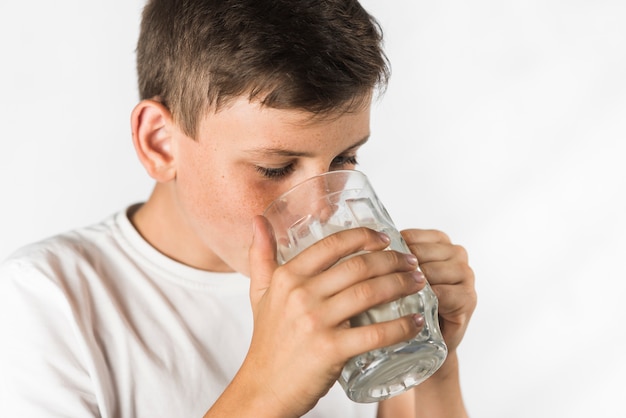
[[344, 161], [338, 163], [275, 173]]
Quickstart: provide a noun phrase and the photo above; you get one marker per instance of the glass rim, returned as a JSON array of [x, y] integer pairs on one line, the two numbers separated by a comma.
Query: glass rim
[[283, 195]]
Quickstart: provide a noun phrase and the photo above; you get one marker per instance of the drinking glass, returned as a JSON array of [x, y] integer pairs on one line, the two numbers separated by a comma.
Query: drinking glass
[[343, 199]]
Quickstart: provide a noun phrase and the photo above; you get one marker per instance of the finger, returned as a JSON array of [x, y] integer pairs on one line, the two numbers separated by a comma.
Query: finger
[[361, 267], [374, 292], [427, 252], [358, 340], [456, 305], [454, 299], [328, 251], [414, 236], [262, 258], [448, 272]]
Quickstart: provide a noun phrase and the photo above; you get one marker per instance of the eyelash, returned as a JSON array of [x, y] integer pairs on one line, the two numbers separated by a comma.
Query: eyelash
[[278, 173]]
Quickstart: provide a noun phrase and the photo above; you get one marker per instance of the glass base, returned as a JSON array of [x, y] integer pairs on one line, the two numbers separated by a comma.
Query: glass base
[[381, 374]]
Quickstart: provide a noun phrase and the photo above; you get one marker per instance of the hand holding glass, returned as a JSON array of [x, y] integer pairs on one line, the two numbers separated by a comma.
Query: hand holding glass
[[338, 200]]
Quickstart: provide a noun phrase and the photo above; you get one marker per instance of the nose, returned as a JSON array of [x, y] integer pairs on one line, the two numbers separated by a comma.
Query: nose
[[312, 210], [322, 197], [319, 196], [308, 171]]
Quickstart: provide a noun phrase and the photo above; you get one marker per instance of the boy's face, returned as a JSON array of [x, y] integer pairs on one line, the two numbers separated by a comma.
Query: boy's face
[[244, 157]]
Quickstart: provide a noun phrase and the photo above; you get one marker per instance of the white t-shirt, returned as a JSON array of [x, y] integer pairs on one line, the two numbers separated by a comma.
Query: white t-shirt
[[97, 323]]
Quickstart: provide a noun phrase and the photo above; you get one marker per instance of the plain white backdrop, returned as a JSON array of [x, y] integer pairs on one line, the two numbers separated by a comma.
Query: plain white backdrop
[[504, 125]]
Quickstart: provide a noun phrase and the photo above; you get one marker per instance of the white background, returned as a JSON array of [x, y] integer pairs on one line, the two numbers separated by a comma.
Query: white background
[[504, 125]]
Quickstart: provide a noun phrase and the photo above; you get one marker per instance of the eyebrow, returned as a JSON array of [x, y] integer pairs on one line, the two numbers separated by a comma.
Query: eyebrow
[[282, 152]]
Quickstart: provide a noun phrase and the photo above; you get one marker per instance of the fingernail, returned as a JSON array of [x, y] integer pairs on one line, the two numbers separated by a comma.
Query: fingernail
[[418, 276], [384, 237], [419, 320], [411, 259]]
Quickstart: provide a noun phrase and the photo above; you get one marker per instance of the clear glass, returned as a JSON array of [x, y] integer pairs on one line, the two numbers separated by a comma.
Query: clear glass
[[338, 200]]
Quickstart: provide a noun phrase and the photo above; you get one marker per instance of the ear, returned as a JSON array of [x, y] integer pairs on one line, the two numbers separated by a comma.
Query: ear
[[152, 128]]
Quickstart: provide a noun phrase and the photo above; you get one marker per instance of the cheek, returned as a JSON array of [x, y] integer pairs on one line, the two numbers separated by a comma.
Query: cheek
[[240, 205], [224, 206], [229, 219], [220, 200], [262, 193]]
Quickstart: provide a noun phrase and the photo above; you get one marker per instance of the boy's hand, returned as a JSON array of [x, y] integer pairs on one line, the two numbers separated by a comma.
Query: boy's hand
[[451, 278], [302, 337]]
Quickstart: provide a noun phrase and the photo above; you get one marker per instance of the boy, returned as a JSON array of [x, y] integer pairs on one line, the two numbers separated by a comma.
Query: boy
[[176, 307]]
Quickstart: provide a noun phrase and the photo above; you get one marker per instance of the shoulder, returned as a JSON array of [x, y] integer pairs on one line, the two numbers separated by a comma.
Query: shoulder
[[56, 258], [47, 310]]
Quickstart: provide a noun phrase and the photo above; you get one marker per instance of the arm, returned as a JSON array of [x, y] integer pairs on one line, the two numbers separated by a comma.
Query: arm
[[44, 372], [441, 396], [446, 267], [438, 397]]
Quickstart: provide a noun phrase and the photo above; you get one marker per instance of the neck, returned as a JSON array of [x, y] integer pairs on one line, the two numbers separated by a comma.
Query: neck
[[161, 223]]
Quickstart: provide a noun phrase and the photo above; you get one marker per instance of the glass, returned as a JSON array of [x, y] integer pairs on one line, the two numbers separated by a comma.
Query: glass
[[338, 200]]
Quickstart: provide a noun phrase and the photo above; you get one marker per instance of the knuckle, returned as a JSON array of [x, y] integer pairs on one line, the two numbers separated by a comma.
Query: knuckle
[[441, 236], [376, 336], [300, 297], [460, 252], [356, 237], [399, 285], [407, 327], [327, 346], [365, 292], [409, 234], [406, 281], [331, 242], [368, 237], [356, 265], [387, 333], [366, 233], [282, 278], [467, 273], [310, 323], [395, 258]]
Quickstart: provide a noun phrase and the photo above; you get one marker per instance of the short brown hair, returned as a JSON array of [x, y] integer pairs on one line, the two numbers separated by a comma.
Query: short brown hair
[[315, 55]]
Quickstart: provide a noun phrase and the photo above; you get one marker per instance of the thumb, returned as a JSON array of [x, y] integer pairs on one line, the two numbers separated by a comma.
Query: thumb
[[262, 258]]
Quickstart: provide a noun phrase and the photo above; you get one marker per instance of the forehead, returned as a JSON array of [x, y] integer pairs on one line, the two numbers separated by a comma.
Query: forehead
[[253, 125]]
